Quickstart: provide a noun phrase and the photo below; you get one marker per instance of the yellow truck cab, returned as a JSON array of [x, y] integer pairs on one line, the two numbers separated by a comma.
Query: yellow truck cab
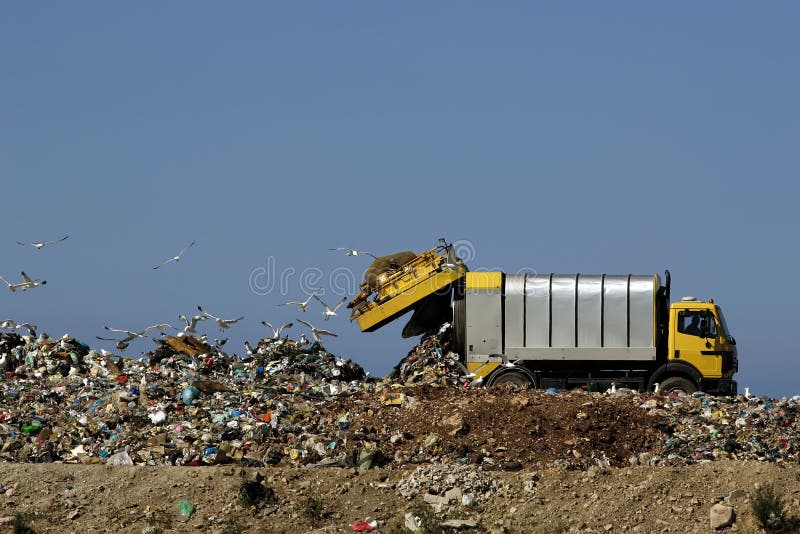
[[700, 346]]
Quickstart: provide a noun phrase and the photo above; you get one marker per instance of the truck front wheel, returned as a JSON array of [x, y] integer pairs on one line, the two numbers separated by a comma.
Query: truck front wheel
[[677, 384]]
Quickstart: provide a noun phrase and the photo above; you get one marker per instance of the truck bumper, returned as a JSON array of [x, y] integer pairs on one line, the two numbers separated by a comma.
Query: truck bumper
[[721, 386]]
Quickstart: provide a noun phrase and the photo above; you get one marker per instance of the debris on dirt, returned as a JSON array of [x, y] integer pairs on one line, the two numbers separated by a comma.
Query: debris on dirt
[[292, 403]]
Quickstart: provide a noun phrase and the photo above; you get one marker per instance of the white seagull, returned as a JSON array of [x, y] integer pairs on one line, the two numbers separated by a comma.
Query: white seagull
[[41, 244], [301, 305], [328, 312], [175, 258], [316, 332], [160, 327], [7, 324], [29, 327], [223, 324], [276, 332], [28, 283], [191, 324], [129, 335], [354, 252], [122, 344]]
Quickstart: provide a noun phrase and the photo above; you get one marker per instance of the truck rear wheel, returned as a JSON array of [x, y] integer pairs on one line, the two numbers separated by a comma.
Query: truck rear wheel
[[513, 380], [677, 384]]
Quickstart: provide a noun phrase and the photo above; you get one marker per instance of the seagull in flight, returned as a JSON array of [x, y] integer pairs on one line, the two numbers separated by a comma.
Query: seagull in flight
[[354, 252], [122, 344], [177, 257], [301, 305], [130, 335], [223, 324], [29, 327], [160, 327], [276, 333], [317, 332], [41, 244], [28, 283], [251, 353], [328, 312], [191, 324], [7, 324]]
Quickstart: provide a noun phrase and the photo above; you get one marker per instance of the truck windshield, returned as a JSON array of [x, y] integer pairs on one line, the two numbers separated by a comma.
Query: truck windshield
[[721, 316]]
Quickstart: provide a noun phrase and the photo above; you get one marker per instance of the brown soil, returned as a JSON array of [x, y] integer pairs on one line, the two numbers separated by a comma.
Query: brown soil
[[94, 498]]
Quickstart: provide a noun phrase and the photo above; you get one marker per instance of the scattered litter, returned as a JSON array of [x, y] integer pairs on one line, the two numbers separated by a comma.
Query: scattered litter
[[294, 403]]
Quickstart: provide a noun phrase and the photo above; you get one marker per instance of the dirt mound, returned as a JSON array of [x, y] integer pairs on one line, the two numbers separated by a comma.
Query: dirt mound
[[506, 430]]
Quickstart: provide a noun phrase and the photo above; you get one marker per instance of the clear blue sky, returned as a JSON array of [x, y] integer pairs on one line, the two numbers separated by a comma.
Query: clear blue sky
[[561, 137]]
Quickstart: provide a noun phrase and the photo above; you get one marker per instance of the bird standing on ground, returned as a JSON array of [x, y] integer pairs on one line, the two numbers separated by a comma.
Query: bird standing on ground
[[177, 257], [301, 305], [223, 324], [327, 313], [41, 244], [317, 332], [354, 252], [28, 283]]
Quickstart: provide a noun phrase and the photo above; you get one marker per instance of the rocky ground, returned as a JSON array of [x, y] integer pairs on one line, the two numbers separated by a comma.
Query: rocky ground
[[141, 499]]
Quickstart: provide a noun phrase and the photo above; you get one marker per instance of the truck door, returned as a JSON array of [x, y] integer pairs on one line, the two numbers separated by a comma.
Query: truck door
[[697, 342]]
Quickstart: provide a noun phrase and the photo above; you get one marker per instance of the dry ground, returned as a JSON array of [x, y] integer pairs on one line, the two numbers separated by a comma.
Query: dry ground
[[96, 498]]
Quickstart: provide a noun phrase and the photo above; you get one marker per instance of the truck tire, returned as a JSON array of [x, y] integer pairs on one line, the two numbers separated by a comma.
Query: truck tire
[[677, 384], [513, 380]]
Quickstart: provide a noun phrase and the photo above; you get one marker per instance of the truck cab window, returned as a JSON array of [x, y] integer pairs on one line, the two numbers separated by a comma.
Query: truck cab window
[[698, 323], [689, 323], [708, 327]]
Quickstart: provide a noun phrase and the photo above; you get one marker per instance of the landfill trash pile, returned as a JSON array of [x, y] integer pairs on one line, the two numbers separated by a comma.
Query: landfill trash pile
[[702, 427], [292, 403], [432, 361]]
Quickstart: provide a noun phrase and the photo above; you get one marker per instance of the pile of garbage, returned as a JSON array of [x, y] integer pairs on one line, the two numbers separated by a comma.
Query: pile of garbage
[[432, 361], [701, 427], [188, 403], [291, 402]]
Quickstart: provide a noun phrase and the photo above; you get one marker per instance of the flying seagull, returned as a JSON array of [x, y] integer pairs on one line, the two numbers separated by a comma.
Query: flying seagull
[[28, 283], [222, 323], [130, 335], [328, 312], [317, 332], [276, 333], [251, 353], [191, 324], [29, 327], [122, 344], [41, 244], [354, 252], [301, 305], [160, 327], [7, 324], [175, 258]]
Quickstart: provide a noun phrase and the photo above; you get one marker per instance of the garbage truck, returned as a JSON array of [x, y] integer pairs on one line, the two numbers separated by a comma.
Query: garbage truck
[[591, 331]]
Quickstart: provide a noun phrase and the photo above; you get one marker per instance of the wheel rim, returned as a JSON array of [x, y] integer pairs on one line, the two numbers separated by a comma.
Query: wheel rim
[[512, 381]]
